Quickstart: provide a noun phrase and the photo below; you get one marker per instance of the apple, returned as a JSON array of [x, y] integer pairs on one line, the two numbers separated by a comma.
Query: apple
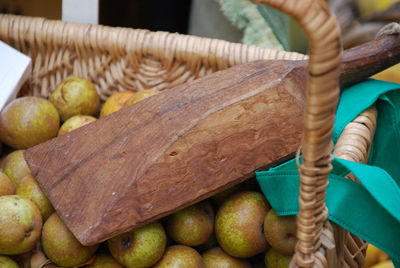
[[20, 225], [280, 232], [140, 247], [28, 121], [180, 256], [192, 226], [239, 224], [74, 96], [61, 246]]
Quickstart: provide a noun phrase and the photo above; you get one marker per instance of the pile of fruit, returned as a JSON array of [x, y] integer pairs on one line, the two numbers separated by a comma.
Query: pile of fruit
[[234, 228]]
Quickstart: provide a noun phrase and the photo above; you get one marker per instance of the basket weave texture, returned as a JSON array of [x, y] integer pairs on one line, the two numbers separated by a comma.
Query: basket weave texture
[[119, 59]]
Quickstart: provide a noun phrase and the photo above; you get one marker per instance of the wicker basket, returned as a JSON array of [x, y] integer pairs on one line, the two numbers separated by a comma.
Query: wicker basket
[[118, 59]]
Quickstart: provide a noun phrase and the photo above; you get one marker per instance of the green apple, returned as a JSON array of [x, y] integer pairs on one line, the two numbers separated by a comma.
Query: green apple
[[274, 258], [140, 247], [6, 185], [192, 226], [239, 224], [217, 258], [28, 121], [20, 225], [75, 122], [30, 189], [6, 262], [74, 96], [61, 246], [280, 232], [180, 256], [15, 166]]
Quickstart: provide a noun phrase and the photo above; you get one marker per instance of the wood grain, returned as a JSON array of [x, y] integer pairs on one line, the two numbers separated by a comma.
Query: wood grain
[[171, 150], [370, 58], [184, 144]]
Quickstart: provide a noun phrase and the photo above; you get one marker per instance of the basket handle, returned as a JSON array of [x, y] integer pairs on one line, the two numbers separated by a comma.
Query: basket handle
[[324, 61]]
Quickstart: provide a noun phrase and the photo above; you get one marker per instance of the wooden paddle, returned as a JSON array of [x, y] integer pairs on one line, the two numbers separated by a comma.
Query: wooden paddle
[[184, 144]]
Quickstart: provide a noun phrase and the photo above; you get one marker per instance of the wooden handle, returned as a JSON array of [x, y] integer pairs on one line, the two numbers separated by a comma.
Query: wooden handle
[[322, 96], [370, 58]]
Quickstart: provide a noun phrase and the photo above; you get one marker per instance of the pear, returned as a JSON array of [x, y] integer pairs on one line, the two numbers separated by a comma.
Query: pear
[[180, 256], [61, 246], [28, 121], [20, 225], [384, 264], [74, 96], [239, 224], [30, 189], [274, 258], [280, 232], [217, 258], [209, 244], [37, 258], [248, 185], [115, 102], [6, 185], [258, 261], [75, 122], [141, 95], [192, 226], [15, 166], [104, 261], [374, 255], [6, 262], [220, 197], [140, 247]]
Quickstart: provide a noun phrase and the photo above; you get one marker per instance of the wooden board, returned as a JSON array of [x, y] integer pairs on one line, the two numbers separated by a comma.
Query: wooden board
[[184, 144], [171, 150]]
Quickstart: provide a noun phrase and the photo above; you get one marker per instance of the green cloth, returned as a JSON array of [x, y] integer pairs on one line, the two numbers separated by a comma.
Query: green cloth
[[369, 210], [385, 150]]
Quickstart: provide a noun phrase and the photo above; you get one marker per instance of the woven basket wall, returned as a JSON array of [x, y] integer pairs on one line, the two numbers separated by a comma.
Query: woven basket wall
[[118, 59]]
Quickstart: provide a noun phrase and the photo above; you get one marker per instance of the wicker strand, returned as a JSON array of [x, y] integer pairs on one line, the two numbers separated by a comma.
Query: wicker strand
[[322, 96], [354, 145], [146, 60]]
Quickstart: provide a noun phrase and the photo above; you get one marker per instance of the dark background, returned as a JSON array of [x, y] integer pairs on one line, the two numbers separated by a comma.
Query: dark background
[[154, 15]]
